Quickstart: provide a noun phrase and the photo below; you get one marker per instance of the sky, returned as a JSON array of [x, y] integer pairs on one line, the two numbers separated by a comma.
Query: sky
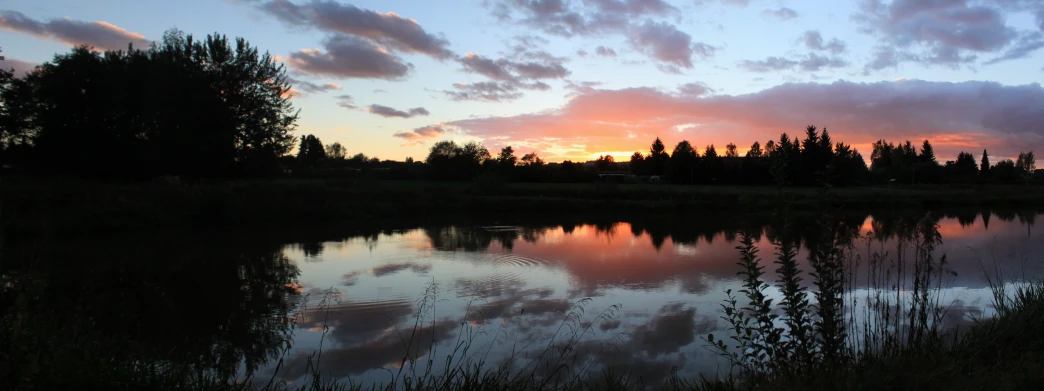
[[575, 79]]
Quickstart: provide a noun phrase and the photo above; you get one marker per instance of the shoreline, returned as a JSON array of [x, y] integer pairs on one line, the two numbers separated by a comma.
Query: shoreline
[[56, 207]]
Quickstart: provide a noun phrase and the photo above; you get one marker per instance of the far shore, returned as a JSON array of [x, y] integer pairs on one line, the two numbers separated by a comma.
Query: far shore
[[63, 207]]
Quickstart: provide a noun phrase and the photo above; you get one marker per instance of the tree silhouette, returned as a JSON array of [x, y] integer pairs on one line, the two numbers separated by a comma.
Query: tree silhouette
[[638, 164], [1005, 171], [449, 161], [336, 151], [182, 107], [754, 151], [605, 163], [730, 150], [965, 167], [311, 151], [927, 153], [656, 162], [507, 157], [683, 163], [984, 167]]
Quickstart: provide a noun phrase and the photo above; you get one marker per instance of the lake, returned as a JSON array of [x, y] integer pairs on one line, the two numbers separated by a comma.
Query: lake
[[639, 294]]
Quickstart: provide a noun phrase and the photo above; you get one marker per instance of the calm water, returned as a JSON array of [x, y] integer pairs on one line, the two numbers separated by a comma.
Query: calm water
[[649, 290], [652, 291]]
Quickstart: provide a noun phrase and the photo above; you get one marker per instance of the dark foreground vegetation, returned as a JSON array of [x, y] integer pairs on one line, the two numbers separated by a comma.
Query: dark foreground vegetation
[[85, 317]]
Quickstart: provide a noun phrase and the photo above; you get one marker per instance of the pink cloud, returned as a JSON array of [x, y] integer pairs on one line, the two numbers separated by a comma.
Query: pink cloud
[[419, 135], [101, 35], [957, 116]]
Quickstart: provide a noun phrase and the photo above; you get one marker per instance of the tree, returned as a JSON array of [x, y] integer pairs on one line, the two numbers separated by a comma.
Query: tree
[[637, 163], [984, 168], [605, 163], [335, 151], [683, 163], [507, 158], [730, 150], [754, 151], [532, 160], [713, 169], [15, 131], [182, 107], [927, 153], [965, 167], [1026, 163], [311, 151], [1005, 171], [449, 161], [657, 159]]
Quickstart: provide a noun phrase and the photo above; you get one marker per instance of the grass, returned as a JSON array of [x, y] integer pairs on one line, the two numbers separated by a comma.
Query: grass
[[67, 207]]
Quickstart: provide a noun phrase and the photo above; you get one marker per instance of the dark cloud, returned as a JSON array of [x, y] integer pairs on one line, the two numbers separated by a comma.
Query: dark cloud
[[19, 67], [418, 135], [659, 40], [884, 56], [811, 62], [694, 89], [348, 56], [515, 72], [781, 14], [385, 111], [770, 64], [814, 62], [385, 28], [673, 327], [309, 87], [486, 91], [584, 17], [936, 32], [346, 101], [814, 41], [582, 86], [605, 52], [384, 270], [1026, 45], [665, 43], [390, 348], [509, 77], [100, 35]]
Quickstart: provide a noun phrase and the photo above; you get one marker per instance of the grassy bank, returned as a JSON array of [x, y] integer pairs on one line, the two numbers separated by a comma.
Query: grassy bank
[[69, 207]]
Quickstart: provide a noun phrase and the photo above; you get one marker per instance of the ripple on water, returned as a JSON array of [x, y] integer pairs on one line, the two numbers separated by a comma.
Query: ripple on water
[[516, 260]]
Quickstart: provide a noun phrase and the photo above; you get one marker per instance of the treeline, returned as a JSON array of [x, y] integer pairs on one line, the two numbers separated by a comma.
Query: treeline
[[813, 160], [183, 107]]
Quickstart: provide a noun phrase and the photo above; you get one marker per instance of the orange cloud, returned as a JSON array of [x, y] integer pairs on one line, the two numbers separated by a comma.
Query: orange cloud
[[955, 116]]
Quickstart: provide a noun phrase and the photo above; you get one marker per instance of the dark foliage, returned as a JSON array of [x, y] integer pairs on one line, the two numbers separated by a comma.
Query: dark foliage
[[185, 107]]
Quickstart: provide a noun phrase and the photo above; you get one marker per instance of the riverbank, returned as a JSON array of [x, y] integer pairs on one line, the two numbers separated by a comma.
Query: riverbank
[[75, 207]]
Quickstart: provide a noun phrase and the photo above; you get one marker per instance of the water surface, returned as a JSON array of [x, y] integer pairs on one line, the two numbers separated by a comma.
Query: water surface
[[641, 296]]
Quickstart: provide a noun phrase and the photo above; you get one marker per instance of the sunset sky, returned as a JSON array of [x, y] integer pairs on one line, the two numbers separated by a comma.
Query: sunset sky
[[572, 79]]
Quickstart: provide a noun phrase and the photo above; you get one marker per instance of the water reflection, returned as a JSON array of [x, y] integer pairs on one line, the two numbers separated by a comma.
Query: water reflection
[[204, 303], [503, 288]]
